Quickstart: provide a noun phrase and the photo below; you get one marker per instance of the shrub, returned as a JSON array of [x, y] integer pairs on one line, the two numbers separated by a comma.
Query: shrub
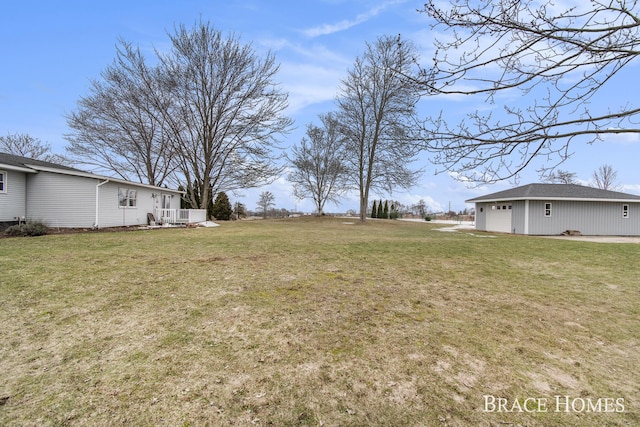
[[14, 230], [222, 209], [385, 211], [34, 228], [427, 218]]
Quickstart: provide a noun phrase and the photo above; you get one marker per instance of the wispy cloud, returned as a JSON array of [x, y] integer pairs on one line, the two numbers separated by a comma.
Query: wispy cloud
[[345, 24]]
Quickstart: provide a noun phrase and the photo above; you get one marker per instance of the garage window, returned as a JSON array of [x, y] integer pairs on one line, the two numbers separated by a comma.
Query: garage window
[[625, 211], [547, 209]]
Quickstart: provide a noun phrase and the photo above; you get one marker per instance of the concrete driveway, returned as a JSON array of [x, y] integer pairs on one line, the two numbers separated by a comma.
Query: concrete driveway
[[599, 239]]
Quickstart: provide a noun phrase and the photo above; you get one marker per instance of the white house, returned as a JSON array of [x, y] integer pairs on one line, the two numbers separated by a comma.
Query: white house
[[65, 197], [551, 209]]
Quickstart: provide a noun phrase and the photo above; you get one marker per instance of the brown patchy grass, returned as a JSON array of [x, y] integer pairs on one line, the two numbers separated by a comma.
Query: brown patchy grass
[[314, 322]]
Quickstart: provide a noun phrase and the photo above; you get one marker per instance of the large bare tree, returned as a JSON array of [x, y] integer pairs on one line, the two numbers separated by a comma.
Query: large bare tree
[[558, 57], [559, 176], [207, 116], [266, 202], [25, 145], [120, 126], [605, 178], [377, 113], [227, 112], [318, 170]]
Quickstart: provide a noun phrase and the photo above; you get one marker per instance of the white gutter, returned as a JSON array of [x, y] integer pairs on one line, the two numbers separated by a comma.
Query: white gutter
[[555, 198], [97, 223]]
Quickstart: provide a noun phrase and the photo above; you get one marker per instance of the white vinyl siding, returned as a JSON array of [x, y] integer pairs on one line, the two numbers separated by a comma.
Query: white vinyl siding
[[112, 214], [590, 218], [13, 200], [61, 200]]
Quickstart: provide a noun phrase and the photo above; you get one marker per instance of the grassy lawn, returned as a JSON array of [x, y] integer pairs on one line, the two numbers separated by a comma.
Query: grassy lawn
[[317, 322]]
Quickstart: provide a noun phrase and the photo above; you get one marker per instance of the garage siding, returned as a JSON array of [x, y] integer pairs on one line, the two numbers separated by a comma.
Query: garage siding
[[590, 218]]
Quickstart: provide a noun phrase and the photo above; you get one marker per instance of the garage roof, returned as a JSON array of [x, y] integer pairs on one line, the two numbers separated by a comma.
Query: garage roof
[[556, 192]]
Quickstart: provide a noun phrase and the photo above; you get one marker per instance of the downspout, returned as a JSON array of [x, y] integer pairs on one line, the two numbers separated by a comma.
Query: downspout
[[97, 223]]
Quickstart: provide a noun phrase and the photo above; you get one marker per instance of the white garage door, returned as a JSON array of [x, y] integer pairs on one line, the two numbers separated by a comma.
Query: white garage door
[[499, 218]]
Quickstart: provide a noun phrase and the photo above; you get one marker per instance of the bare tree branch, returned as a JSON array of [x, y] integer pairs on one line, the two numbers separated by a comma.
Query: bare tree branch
[[119, 128], [605, 178], [559, 60], [227, 109], [376, 110], [318, 170], [25, 145]]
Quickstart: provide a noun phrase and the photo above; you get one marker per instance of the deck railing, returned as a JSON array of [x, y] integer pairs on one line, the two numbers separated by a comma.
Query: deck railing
[[180, 216]]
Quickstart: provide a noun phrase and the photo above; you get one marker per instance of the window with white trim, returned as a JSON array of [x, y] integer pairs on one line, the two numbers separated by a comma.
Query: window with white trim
[[127, 198], [547, 209], [3, 182], [625, 211]]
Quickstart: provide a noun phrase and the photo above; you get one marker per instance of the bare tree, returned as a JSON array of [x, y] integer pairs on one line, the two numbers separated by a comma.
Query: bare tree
[[560, 59], [25, 145], [227, 112], [377, 109], [266, 202], [318, 166], [206, 117], [605, 178], [419, 208], [120, 128], [561, 177]]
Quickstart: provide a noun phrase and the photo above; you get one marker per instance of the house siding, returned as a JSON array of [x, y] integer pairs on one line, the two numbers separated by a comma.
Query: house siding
[[13, 202], [61, 200], [112, 215], [590, 218], [518, 217]]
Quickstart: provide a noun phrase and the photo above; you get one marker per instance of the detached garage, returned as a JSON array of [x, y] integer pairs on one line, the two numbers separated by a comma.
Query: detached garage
[[551, 209]]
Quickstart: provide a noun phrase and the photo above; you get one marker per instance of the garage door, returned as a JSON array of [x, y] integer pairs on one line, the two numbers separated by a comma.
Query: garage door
[[499, 218]]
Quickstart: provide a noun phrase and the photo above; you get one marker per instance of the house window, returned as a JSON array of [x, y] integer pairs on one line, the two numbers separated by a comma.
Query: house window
[[3, 182], [547, 209], [127, 198], [625, 211]]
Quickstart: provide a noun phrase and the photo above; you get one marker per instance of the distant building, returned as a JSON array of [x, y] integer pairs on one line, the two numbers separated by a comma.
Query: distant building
[[61, 196], [551, 209]]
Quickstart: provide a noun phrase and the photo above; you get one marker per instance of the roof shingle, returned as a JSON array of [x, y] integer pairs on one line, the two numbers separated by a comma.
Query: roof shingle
[[555, 192]]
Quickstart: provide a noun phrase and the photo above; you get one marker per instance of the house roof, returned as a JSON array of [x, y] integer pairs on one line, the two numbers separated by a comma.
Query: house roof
[[10, 161], [25, 164], [556, 192]]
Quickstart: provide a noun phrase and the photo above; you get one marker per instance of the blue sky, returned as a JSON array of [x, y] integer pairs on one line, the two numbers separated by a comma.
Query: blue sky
[[51, 51]]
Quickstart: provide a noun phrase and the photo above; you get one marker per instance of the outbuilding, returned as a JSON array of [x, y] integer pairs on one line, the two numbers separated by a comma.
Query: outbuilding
[[553, 209]]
